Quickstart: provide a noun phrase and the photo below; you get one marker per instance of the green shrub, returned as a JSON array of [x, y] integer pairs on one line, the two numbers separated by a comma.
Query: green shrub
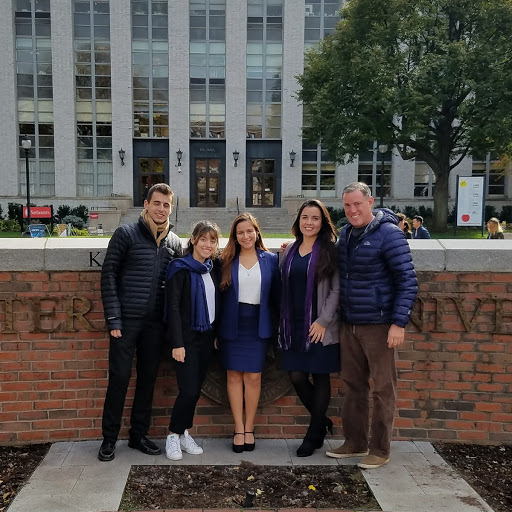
[[77, 222], [506, 213], [9, 225]]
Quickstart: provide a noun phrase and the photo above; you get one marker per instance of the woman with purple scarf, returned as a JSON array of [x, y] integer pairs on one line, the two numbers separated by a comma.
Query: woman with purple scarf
[[309, 322]]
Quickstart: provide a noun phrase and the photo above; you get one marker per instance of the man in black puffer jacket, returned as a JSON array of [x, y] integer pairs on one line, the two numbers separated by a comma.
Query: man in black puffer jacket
[[378, 287], [132, 289]]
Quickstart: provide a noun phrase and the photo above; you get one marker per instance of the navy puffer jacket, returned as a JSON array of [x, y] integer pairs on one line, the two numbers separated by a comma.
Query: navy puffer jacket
[[133, 274], [378, 280]]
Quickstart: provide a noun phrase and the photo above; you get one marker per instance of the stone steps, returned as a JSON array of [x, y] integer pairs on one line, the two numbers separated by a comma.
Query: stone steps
[[271, 220]]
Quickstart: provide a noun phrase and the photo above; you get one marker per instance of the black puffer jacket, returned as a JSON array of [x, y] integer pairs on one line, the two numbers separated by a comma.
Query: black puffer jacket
[[133, 274]]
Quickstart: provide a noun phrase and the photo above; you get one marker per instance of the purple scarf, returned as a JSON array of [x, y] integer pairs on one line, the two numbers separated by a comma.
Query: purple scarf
[[285, 331]]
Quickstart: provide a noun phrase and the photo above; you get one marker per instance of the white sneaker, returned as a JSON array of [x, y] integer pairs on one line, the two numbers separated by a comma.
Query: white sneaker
[[173, 448], [189, 445]]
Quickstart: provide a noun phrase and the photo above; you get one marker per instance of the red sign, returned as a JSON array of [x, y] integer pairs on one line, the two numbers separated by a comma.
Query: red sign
[[93, 215], [38, 212]]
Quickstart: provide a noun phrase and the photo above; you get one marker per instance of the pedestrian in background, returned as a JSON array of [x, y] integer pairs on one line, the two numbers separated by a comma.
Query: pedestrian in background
[[419, 231], [403, 224], [494, 228], [309, 326], [250, 311]]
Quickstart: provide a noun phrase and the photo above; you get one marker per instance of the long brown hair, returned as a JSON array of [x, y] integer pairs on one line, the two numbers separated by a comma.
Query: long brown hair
[[232, 248], [327, 237]]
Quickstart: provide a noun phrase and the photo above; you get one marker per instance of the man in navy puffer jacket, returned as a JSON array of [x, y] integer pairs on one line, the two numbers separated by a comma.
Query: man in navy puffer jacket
[[132, 290], [378, 290]]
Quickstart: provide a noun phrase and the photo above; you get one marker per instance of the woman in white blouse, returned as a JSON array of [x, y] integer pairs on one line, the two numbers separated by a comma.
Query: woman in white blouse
[[249, 298]]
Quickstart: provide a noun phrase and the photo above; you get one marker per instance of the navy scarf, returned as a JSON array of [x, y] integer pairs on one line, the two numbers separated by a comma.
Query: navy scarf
[[285, 331], [199, 307]]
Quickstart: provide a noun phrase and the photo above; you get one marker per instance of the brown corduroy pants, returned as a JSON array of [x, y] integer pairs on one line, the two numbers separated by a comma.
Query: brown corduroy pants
[[365, 355]]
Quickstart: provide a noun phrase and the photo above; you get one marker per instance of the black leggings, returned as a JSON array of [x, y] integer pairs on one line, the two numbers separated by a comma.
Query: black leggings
[[314, 395]]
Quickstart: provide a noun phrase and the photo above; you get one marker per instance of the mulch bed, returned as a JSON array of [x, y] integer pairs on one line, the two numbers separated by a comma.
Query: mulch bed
[[488, 469], [175, 487], [17, 463]]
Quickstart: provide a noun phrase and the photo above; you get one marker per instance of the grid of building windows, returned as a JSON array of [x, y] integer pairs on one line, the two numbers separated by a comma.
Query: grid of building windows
[[93, 97], [264, 68], [150, 68], [318, 169], [375, 169], [207, 68], [494, 173], [35, 93]]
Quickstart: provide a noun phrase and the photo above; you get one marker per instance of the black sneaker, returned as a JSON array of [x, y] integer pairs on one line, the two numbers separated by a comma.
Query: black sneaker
[[107, 451], [144, 445]]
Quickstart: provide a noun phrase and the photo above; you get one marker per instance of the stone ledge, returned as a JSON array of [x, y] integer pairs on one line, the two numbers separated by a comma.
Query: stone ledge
[[87, 254]]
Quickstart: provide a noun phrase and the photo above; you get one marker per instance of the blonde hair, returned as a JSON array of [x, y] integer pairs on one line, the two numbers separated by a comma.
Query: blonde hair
[[496, 223]]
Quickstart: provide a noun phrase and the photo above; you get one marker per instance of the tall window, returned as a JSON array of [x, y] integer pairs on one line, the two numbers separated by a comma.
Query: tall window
[[321, 16], [424, 180], [150, 68], [491, 169], [372, 171], [93, 97], [264, 68], [207, 68], [35, 93], [318, 170]]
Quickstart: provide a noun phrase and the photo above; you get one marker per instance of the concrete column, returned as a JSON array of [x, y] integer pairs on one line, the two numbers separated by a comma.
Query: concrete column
[[291, 122], [64, 115], [345, 174], [236, 92], [402, 177], [179, 132], [9, 170], [122, 105]]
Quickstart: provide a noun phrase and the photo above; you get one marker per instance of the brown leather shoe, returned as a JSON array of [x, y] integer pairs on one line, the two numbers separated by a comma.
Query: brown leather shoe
[[372, 462], [344, 452]]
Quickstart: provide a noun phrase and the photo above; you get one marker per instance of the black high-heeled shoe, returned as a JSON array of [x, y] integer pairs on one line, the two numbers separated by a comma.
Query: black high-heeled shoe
[[238, 448], [329, 425], [249, 447]]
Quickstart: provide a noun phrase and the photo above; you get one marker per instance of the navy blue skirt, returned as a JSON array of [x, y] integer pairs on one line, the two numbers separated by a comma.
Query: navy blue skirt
[[318, 359], [246, 353]]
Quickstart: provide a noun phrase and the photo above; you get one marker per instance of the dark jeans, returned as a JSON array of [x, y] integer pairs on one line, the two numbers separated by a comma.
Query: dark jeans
[[365, 356], [142, 337], [190, 376]]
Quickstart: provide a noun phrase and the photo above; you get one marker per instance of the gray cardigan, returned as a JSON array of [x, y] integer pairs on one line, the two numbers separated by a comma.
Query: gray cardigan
[[328, 302]]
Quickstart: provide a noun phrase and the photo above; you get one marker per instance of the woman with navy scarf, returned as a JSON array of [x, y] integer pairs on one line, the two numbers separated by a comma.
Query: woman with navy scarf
[[249, 295], [191, 305], [309, 325]]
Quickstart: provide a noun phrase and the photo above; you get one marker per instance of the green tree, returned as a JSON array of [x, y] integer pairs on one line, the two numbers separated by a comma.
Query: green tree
[[431, 77]]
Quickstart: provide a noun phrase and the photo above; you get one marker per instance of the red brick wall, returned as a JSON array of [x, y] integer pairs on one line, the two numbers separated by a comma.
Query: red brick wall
[[455, 369]]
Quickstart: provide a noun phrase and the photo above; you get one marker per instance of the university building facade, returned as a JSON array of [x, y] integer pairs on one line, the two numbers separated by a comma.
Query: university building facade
[[116, 95]]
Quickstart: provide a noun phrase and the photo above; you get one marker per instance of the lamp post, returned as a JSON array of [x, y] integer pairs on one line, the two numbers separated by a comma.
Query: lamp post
[[26, 144], [383, 149]]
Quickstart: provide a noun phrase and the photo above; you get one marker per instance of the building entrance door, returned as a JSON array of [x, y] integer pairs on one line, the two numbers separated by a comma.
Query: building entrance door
[[263, 178], [207, 172], [150, 172]]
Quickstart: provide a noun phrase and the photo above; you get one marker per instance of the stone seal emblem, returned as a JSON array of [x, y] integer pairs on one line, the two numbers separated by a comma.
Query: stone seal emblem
[[274, 381]]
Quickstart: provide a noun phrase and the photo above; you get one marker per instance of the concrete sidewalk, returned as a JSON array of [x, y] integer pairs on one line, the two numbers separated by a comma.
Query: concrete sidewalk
[[71, 479]]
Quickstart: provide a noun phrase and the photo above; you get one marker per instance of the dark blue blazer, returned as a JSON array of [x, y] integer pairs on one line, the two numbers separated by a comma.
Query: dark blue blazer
[[270, 289]]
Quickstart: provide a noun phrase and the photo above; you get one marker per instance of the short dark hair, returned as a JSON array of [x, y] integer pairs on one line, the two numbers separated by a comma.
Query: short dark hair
[[419, 218], [163, 188]]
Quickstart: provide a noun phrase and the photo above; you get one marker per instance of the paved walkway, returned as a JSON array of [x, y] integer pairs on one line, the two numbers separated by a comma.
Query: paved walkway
[[71, 479]]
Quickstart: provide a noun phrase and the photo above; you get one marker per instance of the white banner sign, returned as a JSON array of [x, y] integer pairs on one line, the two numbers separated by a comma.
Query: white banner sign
[[470, 200]]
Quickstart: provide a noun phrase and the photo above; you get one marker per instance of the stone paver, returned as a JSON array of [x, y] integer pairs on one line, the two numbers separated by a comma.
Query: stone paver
[[71, 479]]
